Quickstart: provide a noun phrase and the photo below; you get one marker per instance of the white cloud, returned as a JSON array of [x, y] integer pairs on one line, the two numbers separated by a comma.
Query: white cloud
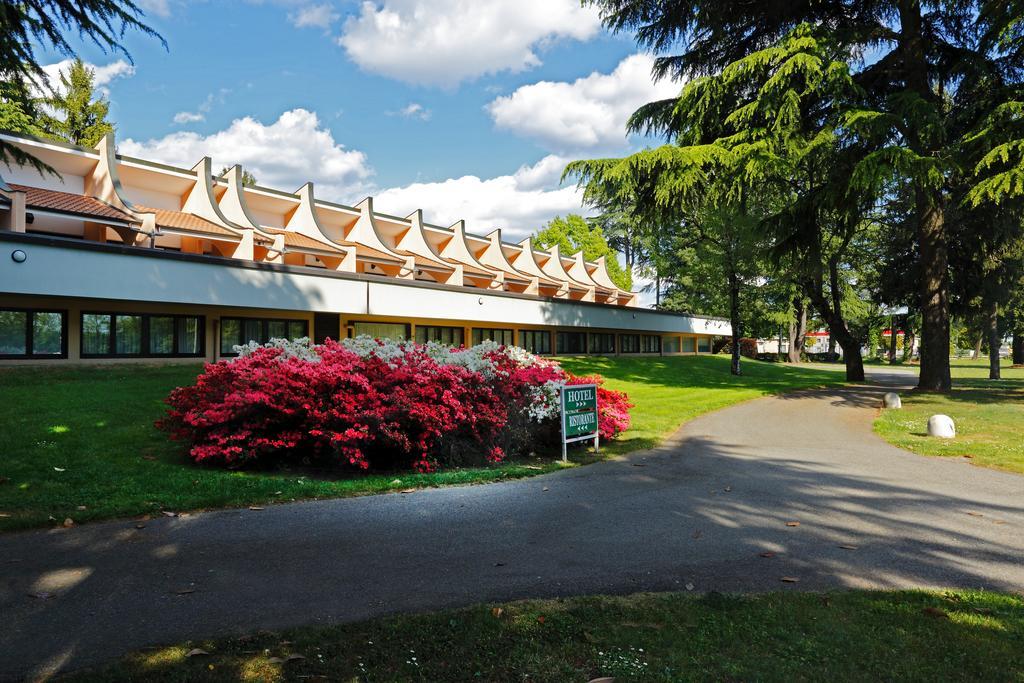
[[425, 42], [188, 117], [587, 115], [413, 110], [520, 203], [161, 8], [103, 75], [316, 16], [284, 155]]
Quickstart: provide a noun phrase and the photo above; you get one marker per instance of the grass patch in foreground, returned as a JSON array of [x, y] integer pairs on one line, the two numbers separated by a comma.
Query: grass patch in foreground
[[854, 636], [80, 441], [669, 391], [989, 418]]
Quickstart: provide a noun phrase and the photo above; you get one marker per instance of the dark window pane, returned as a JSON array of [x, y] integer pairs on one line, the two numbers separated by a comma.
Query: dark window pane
[[572, 342], [704, 344], [95, 334], [47, 334], [188, 336], [161, 335], [297, 329], [252, 330], [277, 329], [230, 334], [129, 335], [629, 343], [13, 326], [688, 345]]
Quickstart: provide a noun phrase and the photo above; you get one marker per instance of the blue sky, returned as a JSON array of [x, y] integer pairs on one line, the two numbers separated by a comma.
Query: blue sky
[[462, 108]]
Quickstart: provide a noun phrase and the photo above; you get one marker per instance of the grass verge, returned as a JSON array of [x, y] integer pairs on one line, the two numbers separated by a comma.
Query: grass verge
[[850, 636], [989, 415], [81, 443]]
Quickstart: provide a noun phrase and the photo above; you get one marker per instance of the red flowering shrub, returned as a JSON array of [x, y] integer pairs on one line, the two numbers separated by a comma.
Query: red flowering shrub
[[612, 407], [381, 405]]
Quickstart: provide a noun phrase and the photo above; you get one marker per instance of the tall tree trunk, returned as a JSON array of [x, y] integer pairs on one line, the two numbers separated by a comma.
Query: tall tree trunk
[[892, 340], [931, 228], [977, 346], [908, 340], [831, 342], [1018, 346], [994, 342], [837, 329], [797, 330], [734, 319]]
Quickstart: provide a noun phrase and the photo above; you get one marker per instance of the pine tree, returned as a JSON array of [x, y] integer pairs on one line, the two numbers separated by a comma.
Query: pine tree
[[77, 115]]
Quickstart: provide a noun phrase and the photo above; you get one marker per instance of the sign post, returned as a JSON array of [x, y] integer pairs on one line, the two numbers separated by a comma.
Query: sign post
[[579, 416]]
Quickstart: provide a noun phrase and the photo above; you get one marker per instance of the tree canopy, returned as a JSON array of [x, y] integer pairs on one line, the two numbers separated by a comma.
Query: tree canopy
[[574, 233]]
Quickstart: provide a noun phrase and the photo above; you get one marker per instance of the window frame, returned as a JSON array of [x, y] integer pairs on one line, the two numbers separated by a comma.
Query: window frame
[[241, 330], [503, 330], [644, 338], [533, 335], [30, 313], [583, 346], [145, 334], [622, 346], [603, 336], [454, 329]]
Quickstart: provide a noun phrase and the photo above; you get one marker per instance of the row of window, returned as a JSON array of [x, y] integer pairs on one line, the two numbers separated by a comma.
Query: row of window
[[37, 333], [126, 335], [239, 331]]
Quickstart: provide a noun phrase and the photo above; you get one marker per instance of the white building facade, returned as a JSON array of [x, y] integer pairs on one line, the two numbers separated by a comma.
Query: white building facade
[[116, 258]]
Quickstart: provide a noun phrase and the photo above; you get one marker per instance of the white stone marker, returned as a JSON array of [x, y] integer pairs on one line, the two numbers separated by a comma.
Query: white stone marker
[[891, 400], [941, 426]]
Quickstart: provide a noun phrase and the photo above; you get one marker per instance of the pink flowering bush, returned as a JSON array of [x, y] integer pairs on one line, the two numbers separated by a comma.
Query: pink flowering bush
[[364, 403], [612, 407]]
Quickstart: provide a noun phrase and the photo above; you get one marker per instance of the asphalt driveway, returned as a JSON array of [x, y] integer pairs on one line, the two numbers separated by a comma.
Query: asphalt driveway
[[800, 478]]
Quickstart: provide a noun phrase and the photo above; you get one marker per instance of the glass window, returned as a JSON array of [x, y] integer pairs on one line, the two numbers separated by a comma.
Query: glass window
[[452, 336], [501, 336], [601, 342], [650, 343], [161, 335], [535, 341], [704, 344], [277, 329], [670, 344], [396, 331], [128, 335], [230, 334], [252, 330], [96, 334], [297, 329], [629, 343], [689, 344], [189, 343], [571, 342], [47, 333], [13, 333]]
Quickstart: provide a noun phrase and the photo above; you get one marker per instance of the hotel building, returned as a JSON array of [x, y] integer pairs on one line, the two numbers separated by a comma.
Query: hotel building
[[113, 257]]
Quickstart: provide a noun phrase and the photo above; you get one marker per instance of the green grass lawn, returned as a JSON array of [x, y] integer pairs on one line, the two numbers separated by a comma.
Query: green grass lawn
[[854, 636], [989, 418], [81, 442]]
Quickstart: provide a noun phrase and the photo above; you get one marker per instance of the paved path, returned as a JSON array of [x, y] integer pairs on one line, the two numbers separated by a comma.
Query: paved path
[[697, 512]]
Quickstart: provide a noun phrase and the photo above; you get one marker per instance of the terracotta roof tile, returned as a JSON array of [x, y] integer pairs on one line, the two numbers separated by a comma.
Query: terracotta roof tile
[[187, 221], [298, 241], [67, 202]]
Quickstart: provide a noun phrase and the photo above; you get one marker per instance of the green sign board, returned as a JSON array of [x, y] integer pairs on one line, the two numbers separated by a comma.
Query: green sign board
[[579, 414]]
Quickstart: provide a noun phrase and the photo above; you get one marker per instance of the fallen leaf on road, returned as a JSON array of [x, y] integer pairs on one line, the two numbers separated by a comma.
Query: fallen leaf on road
[[848, 547], [545, 489], [68, 523], [184, 591], [639, 464], [697, 534], [42, 595], [168, 513], [140, 526], [196, 652], [975, 514], [789, 579], [935, 612], [499, 564], [257, 508], [728, 489], [999, 521], [408, 491], [767, 553], [792, 523]]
